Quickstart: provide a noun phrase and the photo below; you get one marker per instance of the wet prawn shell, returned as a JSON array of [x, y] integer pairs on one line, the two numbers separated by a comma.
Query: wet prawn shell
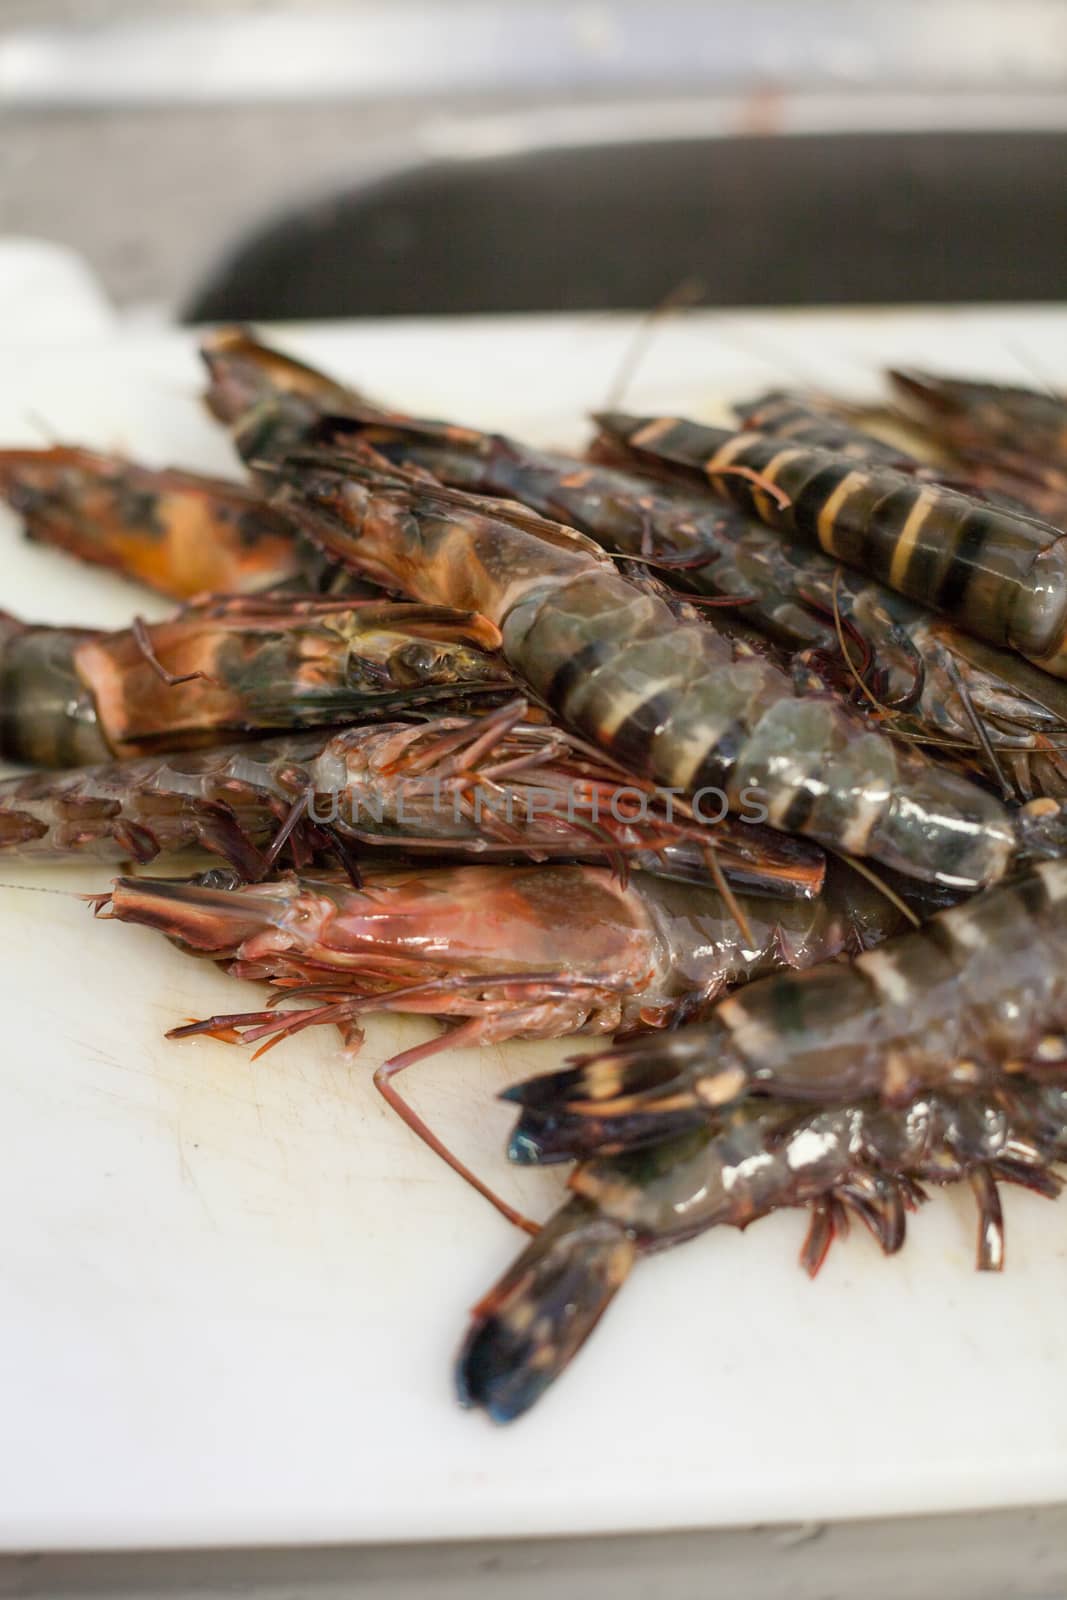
[[180, 533], [666, 697], [715, 1176], [789, 590], [244, 676], [971, 414], [759, 1157], [47, 717], [659, 695], [1000, 575], [671, 701], [977, 987], [589, 937], [135, 809], [803, 419], [413, 540]]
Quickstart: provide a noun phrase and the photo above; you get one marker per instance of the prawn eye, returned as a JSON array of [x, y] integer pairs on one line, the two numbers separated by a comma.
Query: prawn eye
[[218, 878]]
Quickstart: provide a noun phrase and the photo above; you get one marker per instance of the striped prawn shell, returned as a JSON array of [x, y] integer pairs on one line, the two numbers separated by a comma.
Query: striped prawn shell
[[999, 575], [674, 701], [978, 991], [760, 1158], [788, 590], [859, 1158], [804, 420]]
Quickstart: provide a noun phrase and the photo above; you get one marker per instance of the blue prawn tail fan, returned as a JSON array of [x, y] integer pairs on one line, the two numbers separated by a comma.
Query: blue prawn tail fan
[[532, 1324], [636, 1094]]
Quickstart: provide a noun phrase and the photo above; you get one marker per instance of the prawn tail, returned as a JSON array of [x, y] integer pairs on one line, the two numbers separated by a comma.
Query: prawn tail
[[641, 1092], [529, 1327]]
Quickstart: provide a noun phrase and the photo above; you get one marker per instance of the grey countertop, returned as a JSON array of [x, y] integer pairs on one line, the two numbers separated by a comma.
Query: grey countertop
[[1009, 1555]]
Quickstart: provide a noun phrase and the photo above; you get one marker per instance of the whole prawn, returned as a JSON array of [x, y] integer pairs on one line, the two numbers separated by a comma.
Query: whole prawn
[[860, 1159], [507, 952], [817, 420], [493, 786], [178, 532], [968, 415], [998, 574], [978, 991], [674, 701], [927, 680], [1008, 440], [790, 593], [230, 668]]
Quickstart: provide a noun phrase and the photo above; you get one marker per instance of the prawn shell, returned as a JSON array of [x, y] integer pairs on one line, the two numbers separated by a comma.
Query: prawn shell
[[240, 674], [178, 532], [1000, 575]]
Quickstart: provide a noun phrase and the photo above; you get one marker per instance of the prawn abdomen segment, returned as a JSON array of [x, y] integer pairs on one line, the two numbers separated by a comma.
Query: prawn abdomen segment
[[666, 698], [1000, 575], [47, 717], [672, 701], [976, 992], [972, 991]]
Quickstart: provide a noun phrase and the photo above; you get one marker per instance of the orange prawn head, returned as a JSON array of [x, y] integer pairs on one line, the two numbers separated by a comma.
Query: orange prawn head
[[533, 951]]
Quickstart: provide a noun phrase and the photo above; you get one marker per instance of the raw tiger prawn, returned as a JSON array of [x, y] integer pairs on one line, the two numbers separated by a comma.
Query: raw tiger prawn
[[529, 952], [1008, 440], [999, 574], [940, 684], [672, 700], [178, 532], [229, 668], [245, 374], [493, 786], [978, 991], [963, 692], [861, 1159], [271, 403], [934, 681], [972, 416], [814, 420]]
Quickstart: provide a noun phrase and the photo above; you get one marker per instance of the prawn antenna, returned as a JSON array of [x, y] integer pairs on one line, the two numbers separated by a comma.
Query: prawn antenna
[[684, 295]]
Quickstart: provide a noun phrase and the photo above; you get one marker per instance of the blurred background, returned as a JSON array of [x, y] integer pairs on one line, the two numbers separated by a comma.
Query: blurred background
[[306, 159]]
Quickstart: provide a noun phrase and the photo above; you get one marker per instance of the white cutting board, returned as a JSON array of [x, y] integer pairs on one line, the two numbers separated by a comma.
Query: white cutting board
[[230, 1293]]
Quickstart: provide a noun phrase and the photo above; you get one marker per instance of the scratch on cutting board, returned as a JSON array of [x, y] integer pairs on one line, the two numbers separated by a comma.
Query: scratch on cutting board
[[96, 1052], [189, 1177]]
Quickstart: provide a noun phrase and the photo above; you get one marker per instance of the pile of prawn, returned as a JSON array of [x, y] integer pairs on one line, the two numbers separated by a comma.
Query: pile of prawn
[[742, 749]]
